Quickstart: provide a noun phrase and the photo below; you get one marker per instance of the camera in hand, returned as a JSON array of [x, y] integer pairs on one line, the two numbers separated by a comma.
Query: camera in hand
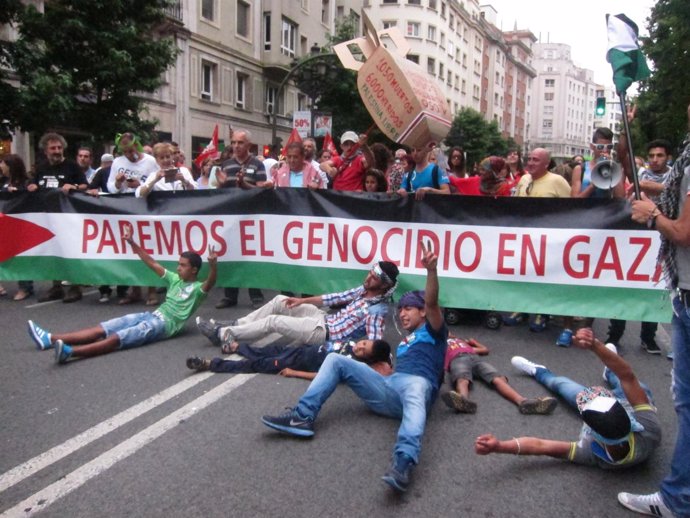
[[170, 174]]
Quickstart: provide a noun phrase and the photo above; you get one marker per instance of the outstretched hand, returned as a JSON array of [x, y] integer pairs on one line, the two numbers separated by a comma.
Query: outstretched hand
[[293, 302], [584, 338], [287, 372], [429, 258], [485, 444]]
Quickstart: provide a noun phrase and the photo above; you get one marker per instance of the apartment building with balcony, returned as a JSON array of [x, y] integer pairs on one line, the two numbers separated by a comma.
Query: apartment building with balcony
[[234, 55], [445, 39], [563, 102]]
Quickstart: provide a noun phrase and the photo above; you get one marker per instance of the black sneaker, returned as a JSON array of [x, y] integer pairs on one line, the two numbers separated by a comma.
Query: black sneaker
[[398, 474], [290, 422], [650, 346], [209, 330]]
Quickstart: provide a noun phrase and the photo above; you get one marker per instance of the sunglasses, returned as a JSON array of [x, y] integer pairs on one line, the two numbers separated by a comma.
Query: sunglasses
[[528, 191], [601, 147]]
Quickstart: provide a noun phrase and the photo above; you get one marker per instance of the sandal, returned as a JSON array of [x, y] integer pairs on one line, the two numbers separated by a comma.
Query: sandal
[[152, 301], [3, 291]]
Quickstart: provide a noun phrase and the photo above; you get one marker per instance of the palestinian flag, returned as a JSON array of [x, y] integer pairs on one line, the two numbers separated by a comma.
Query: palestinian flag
[[535, 255], [624, 54]]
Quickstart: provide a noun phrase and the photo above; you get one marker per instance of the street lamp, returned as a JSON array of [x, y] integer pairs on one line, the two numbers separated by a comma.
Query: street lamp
[[308, 83]]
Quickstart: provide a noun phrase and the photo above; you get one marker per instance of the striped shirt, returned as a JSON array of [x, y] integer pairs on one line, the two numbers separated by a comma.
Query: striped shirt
[[361, 316]]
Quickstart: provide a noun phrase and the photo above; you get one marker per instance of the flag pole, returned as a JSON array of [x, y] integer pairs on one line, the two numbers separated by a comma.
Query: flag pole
[[631, 153]]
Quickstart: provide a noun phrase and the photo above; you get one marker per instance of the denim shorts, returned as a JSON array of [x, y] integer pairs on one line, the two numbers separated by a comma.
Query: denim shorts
[[136, 329]]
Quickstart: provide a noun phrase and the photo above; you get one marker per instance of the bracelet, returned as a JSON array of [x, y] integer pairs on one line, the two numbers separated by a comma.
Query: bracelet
[[518, 445], [651, 219]]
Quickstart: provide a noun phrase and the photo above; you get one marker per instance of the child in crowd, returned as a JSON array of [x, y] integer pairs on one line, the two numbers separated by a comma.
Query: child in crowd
[[374, 181]]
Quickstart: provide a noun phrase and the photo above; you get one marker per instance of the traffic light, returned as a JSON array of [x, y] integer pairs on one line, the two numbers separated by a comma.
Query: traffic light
[[600, 108]]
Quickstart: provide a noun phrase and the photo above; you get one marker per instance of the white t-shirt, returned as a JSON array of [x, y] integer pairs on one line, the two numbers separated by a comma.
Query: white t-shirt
[[140, 170], [162, 185]]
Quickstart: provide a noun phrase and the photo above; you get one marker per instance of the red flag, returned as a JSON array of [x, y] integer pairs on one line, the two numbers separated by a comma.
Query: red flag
[[294, 137], [329, 145], [210, 150]]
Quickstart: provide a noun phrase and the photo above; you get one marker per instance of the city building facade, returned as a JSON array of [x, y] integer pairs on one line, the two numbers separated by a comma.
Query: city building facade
[[563, 94]]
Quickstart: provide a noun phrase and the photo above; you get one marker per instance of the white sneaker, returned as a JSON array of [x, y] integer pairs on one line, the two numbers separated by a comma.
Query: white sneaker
[[105, 298], [651, 505], [614, 350], [524, 365]]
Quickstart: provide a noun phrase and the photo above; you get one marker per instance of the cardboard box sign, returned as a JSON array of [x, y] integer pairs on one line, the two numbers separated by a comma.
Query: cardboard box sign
[[406, 103]]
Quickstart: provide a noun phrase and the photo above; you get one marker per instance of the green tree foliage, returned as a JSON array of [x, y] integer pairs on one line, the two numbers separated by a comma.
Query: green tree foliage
[[477, 137], [80, 64], [341, 96], [664, 98]]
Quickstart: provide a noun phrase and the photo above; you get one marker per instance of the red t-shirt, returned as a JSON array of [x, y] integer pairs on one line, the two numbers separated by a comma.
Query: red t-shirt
[[470, 186], [456, 347], [350, 178]]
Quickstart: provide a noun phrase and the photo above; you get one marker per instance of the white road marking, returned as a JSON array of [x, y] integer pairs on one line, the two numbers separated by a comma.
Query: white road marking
[[32, 466], [46, 497]]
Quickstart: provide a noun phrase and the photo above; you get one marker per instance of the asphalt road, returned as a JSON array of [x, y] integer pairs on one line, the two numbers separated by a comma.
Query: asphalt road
[[136, 434]]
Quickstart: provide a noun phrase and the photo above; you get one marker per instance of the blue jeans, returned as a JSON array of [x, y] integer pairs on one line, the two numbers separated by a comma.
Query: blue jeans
[[675, 488], [135, 329], [400, 396], [568, 389]]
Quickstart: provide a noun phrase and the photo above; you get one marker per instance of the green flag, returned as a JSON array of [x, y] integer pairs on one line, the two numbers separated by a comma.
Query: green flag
[[624, 54]]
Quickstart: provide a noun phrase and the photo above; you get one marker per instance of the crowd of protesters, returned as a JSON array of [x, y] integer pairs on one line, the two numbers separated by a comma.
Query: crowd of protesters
[[140, 169], [616, 436]]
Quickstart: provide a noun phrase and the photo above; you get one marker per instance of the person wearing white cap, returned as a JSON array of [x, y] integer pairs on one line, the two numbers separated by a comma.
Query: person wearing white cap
[[620, 426], [347, 170]]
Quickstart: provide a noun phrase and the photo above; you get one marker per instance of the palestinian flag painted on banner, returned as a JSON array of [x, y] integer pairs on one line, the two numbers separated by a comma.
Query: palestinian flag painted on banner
[[559, 257], [624, 54]]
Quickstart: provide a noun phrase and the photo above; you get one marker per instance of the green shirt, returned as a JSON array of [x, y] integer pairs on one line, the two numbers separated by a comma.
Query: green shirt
[[181, 301]]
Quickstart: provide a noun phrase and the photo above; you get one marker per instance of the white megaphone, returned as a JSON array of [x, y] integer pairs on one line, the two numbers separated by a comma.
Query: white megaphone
[[606, 174]]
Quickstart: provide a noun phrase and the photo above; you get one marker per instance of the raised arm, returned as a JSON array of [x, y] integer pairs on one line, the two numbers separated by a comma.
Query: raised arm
[[212, 272], [634, 393], [433, 311], [148, 260]]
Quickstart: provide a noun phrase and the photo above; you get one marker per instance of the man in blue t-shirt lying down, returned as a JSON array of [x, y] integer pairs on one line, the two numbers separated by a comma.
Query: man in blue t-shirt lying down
[[407, 394], [295, 362], [621, 427]]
